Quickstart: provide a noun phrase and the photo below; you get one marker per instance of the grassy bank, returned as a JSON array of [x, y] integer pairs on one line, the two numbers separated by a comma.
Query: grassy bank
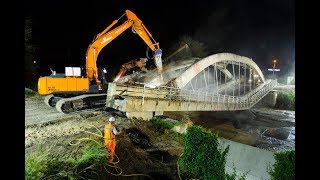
[[286, 101], [29, 92], [46, 164]]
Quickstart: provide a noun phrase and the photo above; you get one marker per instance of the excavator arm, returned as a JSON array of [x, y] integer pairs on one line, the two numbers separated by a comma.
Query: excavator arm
[[138, 63], [106, 36]]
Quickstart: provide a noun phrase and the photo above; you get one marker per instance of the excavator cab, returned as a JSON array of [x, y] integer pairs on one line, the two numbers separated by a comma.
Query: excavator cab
[[141, 62], [102, 77]]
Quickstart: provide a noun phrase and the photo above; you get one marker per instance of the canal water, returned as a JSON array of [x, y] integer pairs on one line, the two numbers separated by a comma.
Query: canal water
[[265, 128]]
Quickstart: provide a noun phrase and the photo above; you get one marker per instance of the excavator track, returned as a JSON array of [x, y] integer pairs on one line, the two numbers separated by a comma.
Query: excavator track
[[51, 100], [67, 105], [47, 100]]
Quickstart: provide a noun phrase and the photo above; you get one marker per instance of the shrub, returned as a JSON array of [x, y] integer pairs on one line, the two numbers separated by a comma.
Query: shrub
[[284, 167], [163, 124], [29, 92], [286, 101], [202, 158]]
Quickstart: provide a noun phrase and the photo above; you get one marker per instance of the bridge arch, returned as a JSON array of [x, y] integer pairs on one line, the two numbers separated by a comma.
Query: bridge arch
[[226, 58]]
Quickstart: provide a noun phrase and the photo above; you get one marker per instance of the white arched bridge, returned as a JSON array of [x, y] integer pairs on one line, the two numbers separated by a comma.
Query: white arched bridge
[[220, 82]]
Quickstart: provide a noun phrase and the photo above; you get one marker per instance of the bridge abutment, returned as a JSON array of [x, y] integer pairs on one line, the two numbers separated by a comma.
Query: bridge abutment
[[269, 100], [140, 115], [146, 115]]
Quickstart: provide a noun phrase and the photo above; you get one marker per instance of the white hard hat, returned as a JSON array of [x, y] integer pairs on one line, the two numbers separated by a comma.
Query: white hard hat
[[112, 119]]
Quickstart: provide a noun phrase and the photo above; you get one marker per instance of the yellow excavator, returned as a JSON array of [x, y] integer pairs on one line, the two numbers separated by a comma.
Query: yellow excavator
[[75, 90], [130, 68]]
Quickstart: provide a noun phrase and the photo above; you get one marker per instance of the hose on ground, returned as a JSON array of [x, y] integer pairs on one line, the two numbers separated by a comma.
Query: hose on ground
[[178, 166], [110, 164]]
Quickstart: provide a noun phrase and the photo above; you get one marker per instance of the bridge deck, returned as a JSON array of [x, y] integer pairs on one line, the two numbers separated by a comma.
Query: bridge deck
[[140, 99]]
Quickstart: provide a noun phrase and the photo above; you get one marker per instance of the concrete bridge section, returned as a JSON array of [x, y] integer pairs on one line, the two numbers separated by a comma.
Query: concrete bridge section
[[140, 101], [194, 85]]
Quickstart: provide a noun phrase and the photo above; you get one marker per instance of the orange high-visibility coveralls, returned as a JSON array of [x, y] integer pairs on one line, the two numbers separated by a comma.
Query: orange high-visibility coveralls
[[110, 140]]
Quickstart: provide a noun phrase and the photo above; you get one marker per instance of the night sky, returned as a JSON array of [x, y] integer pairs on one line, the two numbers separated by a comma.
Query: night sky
[[261, 30]]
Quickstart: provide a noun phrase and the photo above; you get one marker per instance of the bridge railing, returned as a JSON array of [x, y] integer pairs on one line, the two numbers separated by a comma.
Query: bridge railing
[[259, 94], [185, 95]]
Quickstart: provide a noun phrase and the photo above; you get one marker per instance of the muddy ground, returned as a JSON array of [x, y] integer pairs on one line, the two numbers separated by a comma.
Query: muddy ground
[[37, 113], [141, 148]]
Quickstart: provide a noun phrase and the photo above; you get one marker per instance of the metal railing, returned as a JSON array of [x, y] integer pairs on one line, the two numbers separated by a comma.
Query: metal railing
[[185, 95]]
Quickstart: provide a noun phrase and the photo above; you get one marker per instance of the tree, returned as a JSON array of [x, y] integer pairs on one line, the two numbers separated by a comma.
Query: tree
[[195, 49], [30, 66], [29, 49]]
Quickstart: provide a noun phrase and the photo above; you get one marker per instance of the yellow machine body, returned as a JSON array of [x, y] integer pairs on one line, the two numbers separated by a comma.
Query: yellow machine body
[[48, 85]]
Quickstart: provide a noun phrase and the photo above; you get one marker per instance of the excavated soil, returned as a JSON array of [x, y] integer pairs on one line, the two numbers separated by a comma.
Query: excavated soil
[[141, 147]]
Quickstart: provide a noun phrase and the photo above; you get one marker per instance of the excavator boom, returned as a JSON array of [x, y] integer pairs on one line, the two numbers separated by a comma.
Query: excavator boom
[[105, 37]]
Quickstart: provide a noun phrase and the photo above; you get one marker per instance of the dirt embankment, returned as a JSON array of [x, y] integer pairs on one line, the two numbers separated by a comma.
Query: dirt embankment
[[141, 147]]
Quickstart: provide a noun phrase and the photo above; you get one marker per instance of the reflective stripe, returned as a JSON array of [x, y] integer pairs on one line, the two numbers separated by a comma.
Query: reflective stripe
[[109, 138], [108, 134]]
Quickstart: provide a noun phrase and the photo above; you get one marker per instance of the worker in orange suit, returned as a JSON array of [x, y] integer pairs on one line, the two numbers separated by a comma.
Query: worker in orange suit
[[110, 132]]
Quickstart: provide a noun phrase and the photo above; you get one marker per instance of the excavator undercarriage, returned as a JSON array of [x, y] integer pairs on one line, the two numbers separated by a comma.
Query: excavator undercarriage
[[76, 103]]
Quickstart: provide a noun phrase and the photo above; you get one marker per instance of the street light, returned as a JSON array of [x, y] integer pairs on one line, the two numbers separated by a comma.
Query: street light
[[274, 63], [274, 66]]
